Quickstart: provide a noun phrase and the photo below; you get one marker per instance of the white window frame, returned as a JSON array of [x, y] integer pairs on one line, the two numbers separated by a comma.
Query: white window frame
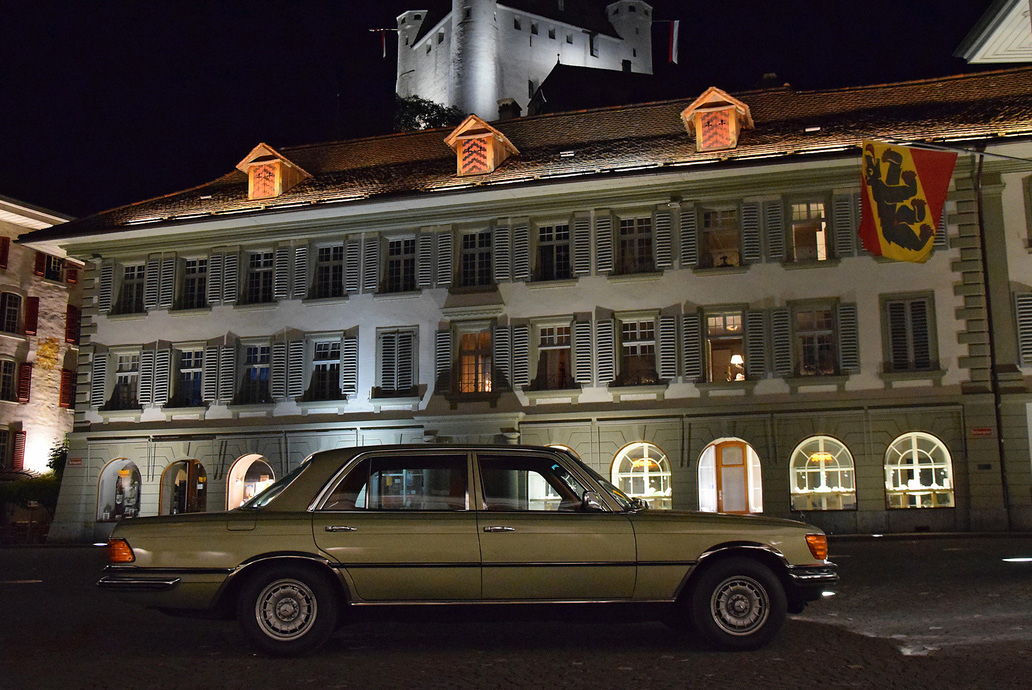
[[559, 235], [822, 475], [399, 273], [194, 289], [328, 271], [260, 277], [11, 314], [632, 254], [806, 217], [717, 221], [550, 337], [918, 472], [724, 327], [809, 341], [634, 463]]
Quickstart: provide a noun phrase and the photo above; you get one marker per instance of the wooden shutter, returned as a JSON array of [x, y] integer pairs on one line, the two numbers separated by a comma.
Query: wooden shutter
[[755, 345], [501, 347], [349, 366], [843, 225], [67, 399], [443, 359], [162, 377], [603, 241], [605, 342], [281, 273], [689, 230], [227, 372], [210, 375], [752, 252], [667, 336], [301, 272], [425, 261], [296, 368], [582, 350], [105, 286], [40, 265], [774, 226], [98, 379], [664, 241], [691, 335], [214, 288], [18, 453], [24, 382], [371, 264], [5, 251], [781, 333], [352, 265], [31, 315], [230, 278], [145, 392], [581, 244], [151, 283], [521, 252], [520, 356], [167, 291], [445, 247], [848, 338], [278, 369], [502, 254]]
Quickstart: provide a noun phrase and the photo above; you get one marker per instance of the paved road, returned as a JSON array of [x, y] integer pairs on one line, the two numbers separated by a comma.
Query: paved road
[[908, 614]]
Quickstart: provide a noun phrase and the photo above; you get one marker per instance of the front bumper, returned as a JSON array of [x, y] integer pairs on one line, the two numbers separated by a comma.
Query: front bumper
[[813, 575]]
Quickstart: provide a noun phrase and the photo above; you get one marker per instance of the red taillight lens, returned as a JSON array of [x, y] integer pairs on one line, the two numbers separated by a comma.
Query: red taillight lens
[[119, 551], [818, 544]]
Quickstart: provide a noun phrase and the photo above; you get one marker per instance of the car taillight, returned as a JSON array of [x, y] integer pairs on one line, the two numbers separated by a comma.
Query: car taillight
[[818, 544], [119, 551]]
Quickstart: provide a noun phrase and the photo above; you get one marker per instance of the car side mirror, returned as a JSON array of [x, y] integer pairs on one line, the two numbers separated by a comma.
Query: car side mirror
[[592, 503], [639, 504]]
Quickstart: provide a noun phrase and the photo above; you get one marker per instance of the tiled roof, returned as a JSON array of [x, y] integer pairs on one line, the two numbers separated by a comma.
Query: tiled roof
[[634, 139]]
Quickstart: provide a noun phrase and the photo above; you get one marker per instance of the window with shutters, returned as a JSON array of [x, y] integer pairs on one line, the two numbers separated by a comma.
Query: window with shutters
[[822, 475], [637, 353], [554, 359], [396, 373], [328, 277], [474, 362], [815, 340], [260, 276], [400, 273], [809, 232], [189, 377], [475, 259], [10, 313], [918, 472], [8, 380], [720, 238], [53, 268], [634, 246], [194, 294], [553, 253], [909, 327], [254, 384], [325, 384], [130, 293], [725, 346], [125, 394]]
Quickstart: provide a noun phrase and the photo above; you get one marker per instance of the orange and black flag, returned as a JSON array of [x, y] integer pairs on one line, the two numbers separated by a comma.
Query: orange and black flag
[[904, 190]]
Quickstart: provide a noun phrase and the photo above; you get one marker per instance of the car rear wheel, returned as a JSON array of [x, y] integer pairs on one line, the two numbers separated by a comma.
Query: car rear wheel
[[287, 609], [737, 603]]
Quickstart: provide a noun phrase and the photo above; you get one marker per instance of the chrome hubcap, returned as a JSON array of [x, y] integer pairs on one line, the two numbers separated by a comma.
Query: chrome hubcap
[[740, 605], [285, 609]]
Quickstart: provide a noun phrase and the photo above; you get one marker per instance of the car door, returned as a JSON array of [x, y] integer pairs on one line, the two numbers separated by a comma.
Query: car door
[[536, 540], [401, 528]]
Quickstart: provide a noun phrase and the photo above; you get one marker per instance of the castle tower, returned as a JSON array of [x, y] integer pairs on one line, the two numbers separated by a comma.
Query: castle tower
[[408, 29], [474, 55], [632, 20]]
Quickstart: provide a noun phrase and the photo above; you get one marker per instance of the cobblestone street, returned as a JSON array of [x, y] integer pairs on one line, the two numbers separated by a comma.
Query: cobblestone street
[[908, 613]]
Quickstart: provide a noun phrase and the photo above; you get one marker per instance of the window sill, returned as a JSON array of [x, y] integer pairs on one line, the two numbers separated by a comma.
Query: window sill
[[251, 409], [21, 337], [810, 263], [256, 306], [129, 316], [908, 379], [326, 300], [192, 311], [407, 294], [635, 277], [318, 406], [562, 282], [838, 381], [652, 391], [722, 270], [722, 388], [130, 415]]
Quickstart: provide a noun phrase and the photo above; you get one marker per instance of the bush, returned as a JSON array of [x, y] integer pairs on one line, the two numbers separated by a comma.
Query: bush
[[43, 489]]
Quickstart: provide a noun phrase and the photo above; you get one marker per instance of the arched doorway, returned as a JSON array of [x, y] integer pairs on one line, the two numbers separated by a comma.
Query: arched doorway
[[249, 476], [118, 492], [184, 488], [729, 478]]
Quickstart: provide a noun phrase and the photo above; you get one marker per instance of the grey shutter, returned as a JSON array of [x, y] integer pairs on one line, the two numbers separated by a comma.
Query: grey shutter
[[296, 369], [98, 379], [105, 287], [899, 345], [521, 252], [941, 240], [848, 338], [604, 242], [755, 345], [215, 278], [445, 246], [278, 366], [389, 361], [664, 251], [281, 274], [502, 254], [301, 272], [151, 283], [692, 337], [781, 332], [352, 265], [227, 372], [582, 350], [581, 245], [349, 366], [1023, 313], [425, 261], [520, 356], [774, 226], [501, 346], [145, 392], [162, 377], [371, 264], [842, 225], [752, 252], [605, 340], [405, 341], [167, 292], [230, 278], [667, 334], [920, 333], [443, 357], [210, 374], [689, 229]]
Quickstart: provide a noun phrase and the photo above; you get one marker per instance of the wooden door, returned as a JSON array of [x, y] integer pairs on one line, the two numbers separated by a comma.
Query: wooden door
[[732, 477]]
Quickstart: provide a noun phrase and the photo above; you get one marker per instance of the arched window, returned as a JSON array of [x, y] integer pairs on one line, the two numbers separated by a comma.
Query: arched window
[[184, 488], [822, 475], [642, 470], [250, 475], [118, 495], [918, 472]]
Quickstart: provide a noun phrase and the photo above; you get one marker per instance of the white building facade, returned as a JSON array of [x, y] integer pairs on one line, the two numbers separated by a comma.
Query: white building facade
[[484, 51], [696, 322]]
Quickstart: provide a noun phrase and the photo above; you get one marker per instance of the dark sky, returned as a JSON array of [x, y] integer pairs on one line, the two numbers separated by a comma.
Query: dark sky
[[106, 102]]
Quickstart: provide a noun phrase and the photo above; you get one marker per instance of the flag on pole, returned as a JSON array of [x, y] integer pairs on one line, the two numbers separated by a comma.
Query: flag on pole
[[904, 190], [675, 26]]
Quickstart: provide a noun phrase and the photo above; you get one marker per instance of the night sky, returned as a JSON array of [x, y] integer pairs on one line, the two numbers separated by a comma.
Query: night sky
[[107, 102]]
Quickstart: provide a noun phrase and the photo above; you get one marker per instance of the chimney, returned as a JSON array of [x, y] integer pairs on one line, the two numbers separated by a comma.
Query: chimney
[[509, 109]]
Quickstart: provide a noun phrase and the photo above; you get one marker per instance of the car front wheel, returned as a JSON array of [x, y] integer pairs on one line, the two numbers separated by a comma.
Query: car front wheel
[[737, 603], [287, 610]]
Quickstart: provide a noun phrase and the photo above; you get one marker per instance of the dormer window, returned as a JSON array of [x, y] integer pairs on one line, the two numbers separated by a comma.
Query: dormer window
[[263, 180], [269, 174], [479, 147], [716, 120]]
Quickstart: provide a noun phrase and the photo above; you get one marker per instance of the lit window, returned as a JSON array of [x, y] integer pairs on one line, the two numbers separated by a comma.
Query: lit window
[[475, 362], [195, 284], [642, 470], [254, 388], [809, 236], [635, 245], [719, 238], [188, 380], [401, 266], [822, 475], [8, 390], [553, 368], [130, 297], [53, 268], [259, 278], [329, 272], [918, 472], [725, 347], [127, 377], [815, 341], [119, 492], [10, 312], [476, 259], [637, 353], [325, 372], [553, 252]]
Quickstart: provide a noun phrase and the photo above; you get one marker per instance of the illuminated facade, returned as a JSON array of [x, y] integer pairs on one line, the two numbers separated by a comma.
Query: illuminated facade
[[39, 321], [695, 319], [479, 52]]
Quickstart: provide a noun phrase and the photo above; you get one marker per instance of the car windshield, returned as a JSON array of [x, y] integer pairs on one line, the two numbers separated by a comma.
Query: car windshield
[[619, 496], [273, 490]]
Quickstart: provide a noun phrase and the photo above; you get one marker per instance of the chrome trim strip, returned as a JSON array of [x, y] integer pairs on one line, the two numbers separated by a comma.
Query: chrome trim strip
[[478, 564], [810, 574], [507, 602], [125, 584], [178, 571]]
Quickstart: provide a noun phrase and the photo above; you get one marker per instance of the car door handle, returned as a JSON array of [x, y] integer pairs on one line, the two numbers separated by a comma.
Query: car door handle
[[340, 528], [499, 528]]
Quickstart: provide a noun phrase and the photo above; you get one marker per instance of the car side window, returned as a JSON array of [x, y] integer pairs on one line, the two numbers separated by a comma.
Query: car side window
[[437, 482], [528, 483]]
